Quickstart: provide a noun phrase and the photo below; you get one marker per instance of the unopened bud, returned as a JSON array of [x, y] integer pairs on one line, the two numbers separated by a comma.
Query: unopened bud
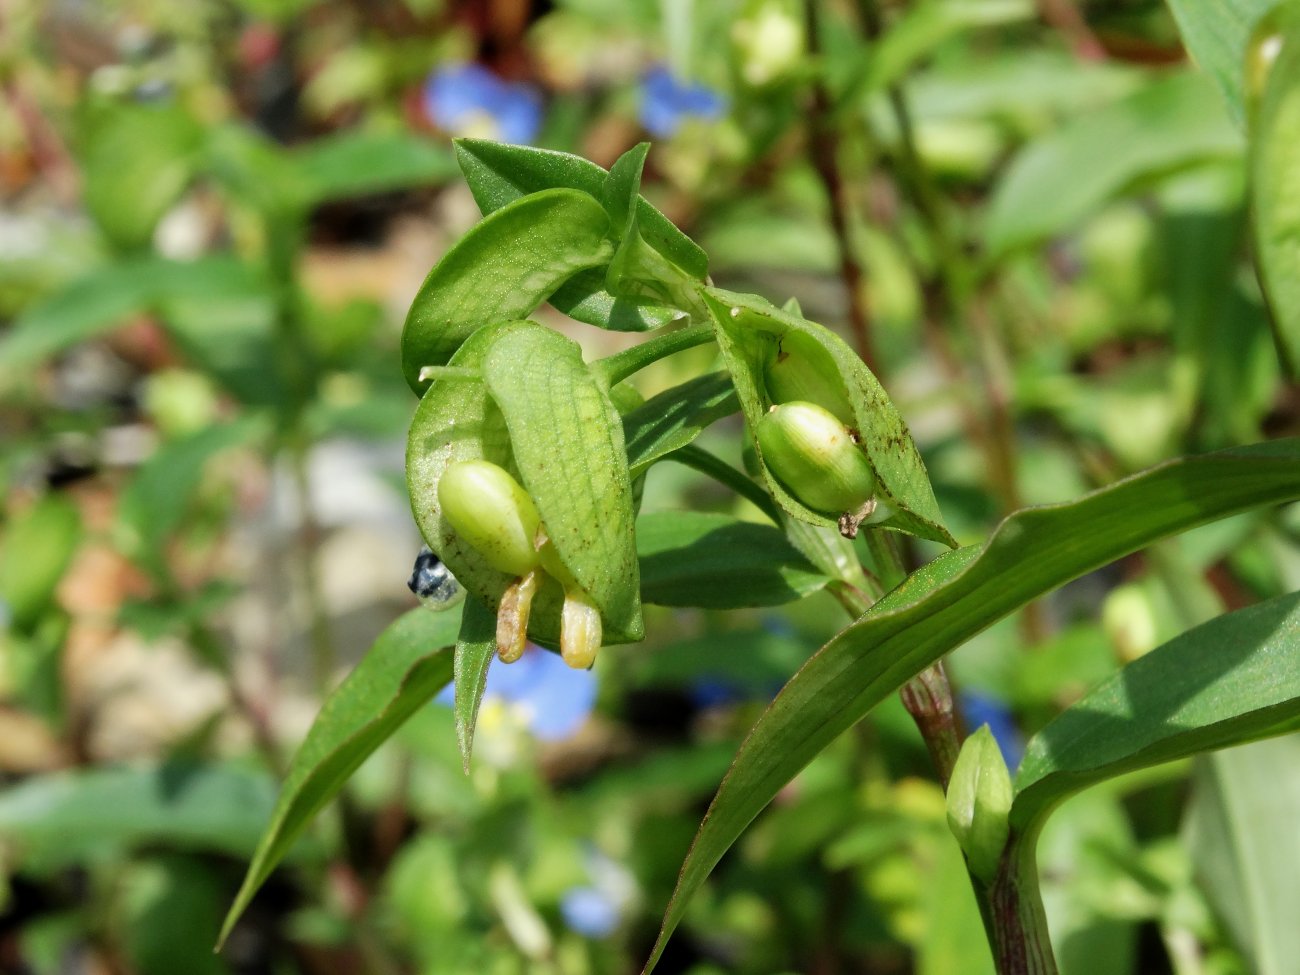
[[580, 631], [490, 511], [795, 376], [814, 457], [979, 801]]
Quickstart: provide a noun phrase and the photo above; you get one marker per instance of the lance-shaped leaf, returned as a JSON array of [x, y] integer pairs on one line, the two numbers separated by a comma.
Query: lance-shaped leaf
[[953, 598], [751, 333], [1225, 682], [501, 270], [567, 442], [499, 174], [401, 673], [675, 417], [1275, 172], [475, 647], [694, 558]]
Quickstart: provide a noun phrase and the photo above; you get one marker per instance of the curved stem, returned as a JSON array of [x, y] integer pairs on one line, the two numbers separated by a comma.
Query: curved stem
[[615, 368], [1013, 908], [704, 462]]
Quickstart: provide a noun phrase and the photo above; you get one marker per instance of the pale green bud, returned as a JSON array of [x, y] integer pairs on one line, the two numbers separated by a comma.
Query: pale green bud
[[796, 376], [580, 630], [491, 512], [813, 455], [979, 801]]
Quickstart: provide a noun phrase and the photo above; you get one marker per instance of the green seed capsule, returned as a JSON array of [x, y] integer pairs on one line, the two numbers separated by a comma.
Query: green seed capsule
[[813, 456], [795, 376], [490, 511]]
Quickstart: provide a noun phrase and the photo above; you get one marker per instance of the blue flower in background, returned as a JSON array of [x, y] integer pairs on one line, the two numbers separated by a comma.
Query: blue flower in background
[[549, 696], [594, 910], [980, 709], [589, 912], [469, 100], [667, 103]]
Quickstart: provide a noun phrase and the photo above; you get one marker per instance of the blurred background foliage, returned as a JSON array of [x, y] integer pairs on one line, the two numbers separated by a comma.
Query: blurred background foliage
[[214, 214]]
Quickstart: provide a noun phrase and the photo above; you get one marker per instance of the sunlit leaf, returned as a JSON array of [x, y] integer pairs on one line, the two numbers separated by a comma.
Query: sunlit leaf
[[955, 597], [500, 271], [1222, 683], [401, 673]]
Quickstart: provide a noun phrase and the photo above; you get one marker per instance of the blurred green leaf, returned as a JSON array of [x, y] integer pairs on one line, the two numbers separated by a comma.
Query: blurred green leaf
[[675, 417], [38, 546], [693, 558], [1241, 828], [476, 645], [925, 26], [567, 440], [951, 599], [500, 271], [354, 163], [1061, 178], [400, 673], [1222, 683], [1216, 33], [86, 306], [155, 501], [136, 160], [1275, 172], [172, 910], [67, 817]]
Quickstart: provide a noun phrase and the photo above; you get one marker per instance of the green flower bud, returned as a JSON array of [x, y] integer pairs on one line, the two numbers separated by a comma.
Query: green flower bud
[[796, 375], [490, 511], [512, 618], [814, 457], [979, 801], [580, 630]]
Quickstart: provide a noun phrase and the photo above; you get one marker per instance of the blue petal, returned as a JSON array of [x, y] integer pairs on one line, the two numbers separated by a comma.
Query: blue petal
[[455, 95], [589, 912], [667, 103], [982, 708]]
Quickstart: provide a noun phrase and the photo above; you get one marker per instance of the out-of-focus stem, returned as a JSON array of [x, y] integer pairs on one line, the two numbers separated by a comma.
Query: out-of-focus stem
[[823, 147]]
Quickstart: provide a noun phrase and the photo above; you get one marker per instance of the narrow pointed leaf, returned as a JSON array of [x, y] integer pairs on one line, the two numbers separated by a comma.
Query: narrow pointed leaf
[[749, 331], [955, 597], [1275, 172], [692, 558], [403, 670], [1216, 33], [502, 270], [676, 417], [1225, 682], [475, 647], [567, 441], [1061, 179]]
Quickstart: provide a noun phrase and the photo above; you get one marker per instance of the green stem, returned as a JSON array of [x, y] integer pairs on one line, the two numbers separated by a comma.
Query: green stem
[[615, 368], [704, 462], [928, 695], [1013, 909], [321, 640]]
